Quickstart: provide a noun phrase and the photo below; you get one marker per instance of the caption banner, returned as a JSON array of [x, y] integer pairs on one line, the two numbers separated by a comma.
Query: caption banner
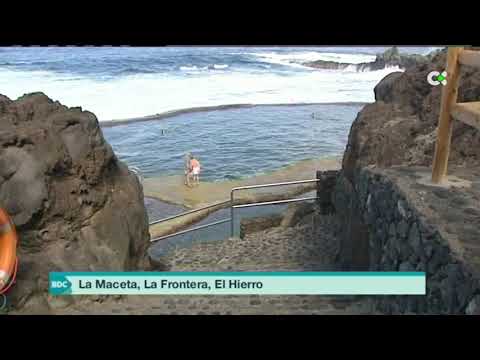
[[237, 283]]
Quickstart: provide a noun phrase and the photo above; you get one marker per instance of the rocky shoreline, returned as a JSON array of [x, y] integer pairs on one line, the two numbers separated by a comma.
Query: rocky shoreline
[[390, 58], [400, 127]]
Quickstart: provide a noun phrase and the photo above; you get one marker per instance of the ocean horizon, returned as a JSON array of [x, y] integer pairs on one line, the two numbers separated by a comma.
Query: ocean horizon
[[133, 82]]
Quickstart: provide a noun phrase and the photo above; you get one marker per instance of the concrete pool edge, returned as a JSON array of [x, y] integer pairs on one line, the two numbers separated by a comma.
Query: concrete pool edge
[[172, 113]]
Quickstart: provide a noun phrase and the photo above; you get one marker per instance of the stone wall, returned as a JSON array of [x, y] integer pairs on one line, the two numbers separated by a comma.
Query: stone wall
[[381, 229]]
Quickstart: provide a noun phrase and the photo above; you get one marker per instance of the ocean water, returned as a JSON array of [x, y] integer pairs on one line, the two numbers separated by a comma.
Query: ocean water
[[234, 143], [123, 82]]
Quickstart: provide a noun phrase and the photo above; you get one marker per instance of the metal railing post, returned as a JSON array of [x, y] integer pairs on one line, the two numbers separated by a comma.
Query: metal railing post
[[233, 207], [232, 223]]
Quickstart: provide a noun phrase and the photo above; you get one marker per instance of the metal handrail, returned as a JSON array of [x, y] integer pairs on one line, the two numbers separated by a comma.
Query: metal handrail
[[187, 212], [189, 230], [275, 202], [232, 207], [275, 184]]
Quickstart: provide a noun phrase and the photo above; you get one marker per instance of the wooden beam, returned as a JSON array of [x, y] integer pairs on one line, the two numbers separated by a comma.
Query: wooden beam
[[469, 58], [444, 131], [468, 113]]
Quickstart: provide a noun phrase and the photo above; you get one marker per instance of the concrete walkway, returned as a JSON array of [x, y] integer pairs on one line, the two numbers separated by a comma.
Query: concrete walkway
[[171, 189]]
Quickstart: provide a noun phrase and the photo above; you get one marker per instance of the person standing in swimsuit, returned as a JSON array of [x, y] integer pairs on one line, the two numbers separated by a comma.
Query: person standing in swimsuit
[[195, 170]]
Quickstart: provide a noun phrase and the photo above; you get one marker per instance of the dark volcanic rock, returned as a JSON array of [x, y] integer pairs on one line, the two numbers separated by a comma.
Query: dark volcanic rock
[[384, 89], [328, 65], [399, 128], [75, 205]]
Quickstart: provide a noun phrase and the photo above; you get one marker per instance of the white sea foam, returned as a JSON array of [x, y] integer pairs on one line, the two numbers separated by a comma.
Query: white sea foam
[[145, 94], [188, 68]]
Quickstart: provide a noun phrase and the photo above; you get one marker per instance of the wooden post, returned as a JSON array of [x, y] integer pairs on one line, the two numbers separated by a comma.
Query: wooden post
[[444, 132]]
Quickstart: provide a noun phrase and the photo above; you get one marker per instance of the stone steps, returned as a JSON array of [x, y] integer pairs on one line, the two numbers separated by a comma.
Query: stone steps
[[274, 249]]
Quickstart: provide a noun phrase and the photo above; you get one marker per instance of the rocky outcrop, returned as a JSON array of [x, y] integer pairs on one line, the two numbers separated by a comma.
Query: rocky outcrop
[[75, 205], [328, 65], [399, 128], [390, 58], [387, 220]]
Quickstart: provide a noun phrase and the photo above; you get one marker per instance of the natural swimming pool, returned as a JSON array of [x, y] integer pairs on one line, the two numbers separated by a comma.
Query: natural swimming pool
[[234, 143]]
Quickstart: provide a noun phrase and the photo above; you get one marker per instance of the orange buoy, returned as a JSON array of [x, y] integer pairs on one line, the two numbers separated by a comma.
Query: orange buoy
[[8, 251]]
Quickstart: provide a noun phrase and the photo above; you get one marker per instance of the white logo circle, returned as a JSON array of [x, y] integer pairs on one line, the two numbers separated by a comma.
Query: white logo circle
[[433, 75], [432, 78]]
